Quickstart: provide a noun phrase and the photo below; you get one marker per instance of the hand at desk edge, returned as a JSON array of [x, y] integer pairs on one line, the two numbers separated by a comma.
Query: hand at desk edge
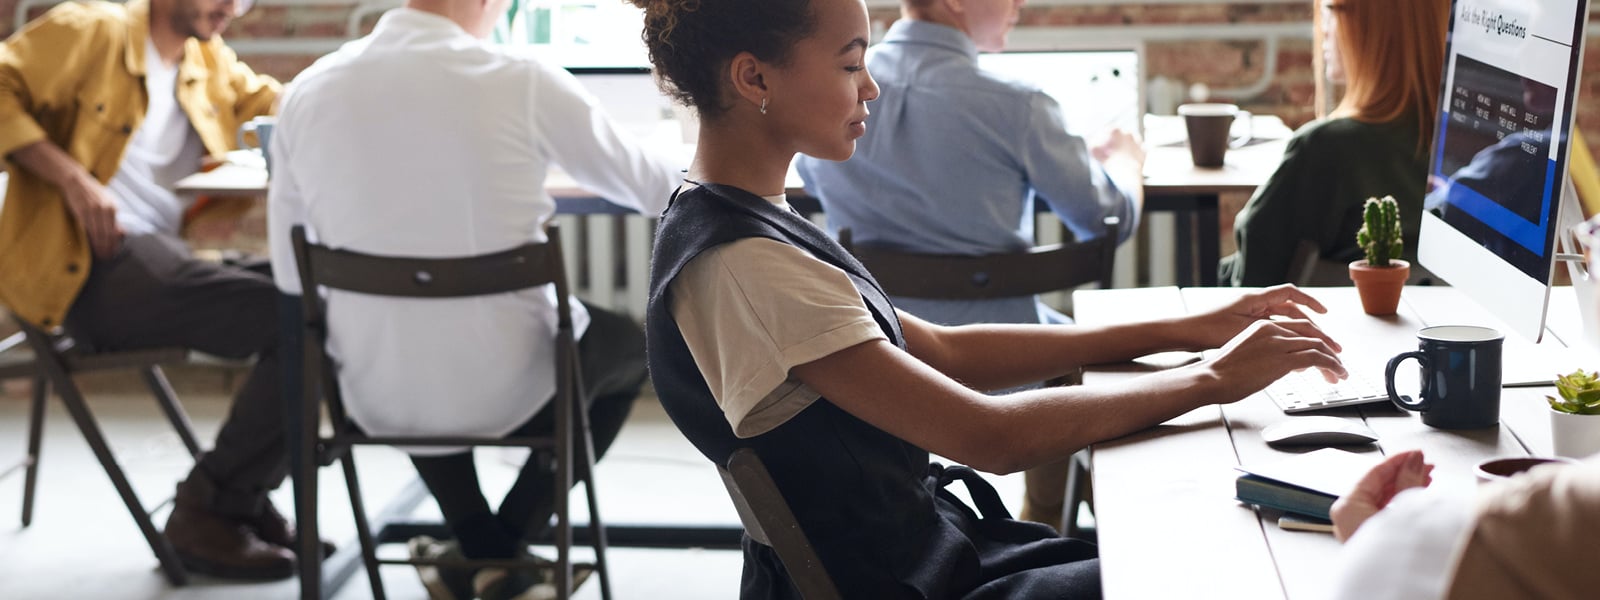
[[1377, 488]]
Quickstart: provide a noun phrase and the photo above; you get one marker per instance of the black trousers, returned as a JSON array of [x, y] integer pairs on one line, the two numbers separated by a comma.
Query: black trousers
[[613, 366], [154, 293]]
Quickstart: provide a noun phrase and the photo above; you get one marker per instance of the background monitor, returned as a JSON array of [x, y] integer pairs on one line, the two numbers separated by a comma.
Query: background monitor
[[1499, 161], [632, 99], [1098, 89]]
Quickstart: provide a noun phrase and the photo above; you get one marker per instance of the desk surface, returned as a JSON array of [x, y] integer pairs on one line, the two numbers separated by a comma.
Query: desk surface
[[1167, 522]]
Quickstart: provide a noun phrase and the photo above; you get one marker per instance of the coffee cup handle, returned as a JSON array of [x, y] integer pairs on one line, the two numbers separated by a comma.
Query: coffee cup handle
[[248, 127], [1388, 381], [1249, 129]]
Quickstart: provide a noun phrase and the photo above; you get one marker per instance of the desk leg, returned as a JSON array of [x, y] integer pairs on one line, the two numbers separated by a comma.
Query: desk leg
[[1185, 264], [1207, 238]]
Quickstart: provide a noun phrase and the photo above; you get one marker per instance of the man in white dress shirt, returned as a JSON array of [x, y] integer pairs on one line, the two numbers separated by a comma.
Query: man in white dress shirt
[[421, 139]]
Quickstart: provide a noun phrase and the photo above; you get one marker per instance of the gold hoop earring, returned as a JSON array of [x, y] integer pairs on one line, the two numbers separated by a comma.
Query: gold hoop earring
[[763, 105]]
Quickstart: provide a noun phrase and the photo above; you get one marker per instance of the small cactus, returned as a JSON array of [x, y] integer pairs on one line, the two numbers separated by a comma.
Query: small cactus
[[1580, 393], [1380, 231]]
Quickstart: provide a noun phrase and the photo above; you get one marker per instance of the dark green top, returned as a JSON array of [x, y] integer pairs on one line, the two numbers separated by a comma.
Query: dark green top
[[1329, 170]]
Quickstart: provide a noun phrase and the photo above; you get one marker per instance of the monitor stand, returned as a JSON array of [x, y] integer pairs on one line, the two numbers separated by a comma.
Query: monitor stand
[[1585, 284]]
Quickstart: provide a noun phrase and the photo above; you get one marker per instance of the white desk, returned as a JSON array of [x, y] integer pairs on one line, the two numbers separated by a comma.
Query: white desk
[[1172, 183], [1167, 523]]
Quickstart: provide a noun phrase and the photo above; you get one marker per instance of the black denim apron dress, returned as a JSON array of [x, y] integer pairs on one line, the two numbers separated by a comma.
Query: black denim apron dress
[[872, 505]]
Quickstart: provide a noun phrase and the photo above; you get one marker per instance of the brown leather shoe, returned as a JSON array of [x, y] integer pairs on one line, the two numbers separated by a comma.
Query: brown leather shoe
[[274, 529], [220, 546]]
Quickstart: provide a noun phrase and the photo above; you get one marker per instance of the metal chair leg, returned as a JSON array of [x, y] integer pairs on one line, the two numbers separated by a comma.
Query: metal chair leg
[[567, 401], [171, 565], [30, 477], [1077, 493], [369, 548], [301, 425], [162, 389], [597, 529]]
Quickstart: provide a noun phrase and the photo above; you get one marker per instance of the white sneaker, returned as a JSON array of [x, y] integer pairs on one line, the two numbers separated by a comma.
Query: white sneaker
[[442, 584], [525, 584]]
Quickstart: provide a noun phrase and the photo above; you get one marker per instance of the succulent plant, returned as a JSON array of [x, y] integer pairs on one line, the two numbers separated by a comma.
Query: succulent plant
[[1580, 393], [1380, 231]]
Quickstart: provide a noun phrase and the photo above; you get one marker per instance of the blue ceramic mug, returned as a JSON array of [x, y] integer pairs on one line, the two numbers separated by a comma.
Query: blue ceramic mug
[[262, 127], [1460, 377]]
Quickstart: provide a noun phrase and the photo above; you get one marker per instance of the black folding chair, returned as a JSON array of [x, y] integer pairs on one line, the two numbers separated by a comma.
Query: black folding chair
[[55, 359], [520, 268], [1031, 272], [769, 521]]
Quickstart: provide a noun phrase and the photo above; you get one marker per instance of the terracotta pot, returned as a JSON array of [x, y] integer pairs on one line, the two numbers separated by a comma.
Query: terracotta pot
[[1380, 286]]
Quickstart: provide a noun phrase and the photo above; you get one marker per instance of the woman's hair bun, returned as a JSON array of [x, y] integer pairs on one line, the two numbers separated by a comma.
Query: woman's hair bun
[[690, 41]]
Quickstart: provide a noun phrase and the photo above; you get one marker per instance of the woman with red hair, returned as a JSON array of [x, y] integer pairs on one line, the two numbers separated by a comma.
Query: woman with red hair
[[1389, 57]]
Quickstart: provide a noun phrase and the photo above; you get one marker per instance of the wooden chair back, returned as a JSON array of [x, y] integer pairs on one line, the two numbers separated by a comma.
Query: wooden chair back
[[1034, 271], [768, 521]]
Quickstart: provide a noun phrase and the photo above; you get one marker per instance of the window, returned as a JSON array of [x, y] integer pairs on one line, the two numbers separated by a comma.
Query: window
[[578, 33]]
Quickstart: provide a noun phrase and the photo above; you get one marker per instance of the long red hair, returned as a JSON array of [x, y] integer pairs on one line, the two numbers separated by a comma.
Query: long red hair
[[1392, 52]]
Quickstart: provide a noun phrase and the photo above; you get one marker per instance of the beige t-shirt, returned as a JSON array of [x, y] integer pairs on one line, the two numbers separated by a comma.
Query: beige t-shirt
[[1535, 536], [752, 309]]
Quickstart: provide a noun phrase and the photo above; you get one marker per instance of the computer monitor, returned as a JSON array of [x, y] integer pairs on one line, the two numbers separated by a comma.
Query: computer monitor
[[632, 99], [1098, 89], [1499, 162]]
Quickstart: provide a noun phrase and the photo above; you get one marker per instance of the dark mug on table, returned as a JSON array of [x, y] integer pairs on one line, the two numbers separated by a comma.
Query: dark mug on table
[[1460, 376], [1209, 127]]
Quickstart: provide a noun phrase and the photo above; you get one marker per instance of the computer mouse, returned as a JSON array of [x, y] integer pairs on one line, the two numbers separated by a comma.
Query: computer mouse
[[1318, 431]]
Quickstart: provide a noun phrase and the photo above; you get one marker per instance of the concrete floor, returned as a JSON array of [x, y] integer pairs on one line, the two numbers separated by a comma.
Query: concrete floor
[[83, 544]]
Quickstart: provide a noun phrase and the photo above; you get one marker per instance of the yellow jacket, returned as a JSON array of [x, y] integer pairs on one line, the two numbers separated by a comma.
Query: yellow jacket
[[75, 77]]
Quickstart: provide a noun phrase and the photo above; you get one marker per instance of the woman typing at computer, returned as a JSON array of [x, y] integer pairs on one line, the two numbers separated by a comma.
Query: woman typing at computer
[[1389, 57], [765, 334]]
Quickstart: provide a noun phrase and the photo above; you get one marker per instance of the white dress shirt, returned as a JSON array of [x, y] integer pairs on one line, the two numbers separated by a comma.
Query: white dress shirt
[[422, 140], [1406, 551]]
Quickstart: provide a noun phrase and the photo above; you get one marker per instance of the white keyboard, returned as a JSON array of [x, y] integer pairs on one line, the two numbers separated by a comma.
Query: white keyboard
[[1305, 391]]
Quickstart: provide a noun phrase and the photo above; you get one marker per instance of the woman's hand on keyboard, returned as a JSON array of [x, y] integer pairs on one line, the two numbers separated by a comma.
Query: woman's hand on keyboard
[[1269, 349], [1214, 328]]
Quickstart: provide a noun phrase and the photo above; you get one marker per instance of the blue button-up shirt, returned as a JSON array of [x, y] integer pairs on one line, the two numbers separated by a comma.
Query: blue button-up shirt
[[951, 162]]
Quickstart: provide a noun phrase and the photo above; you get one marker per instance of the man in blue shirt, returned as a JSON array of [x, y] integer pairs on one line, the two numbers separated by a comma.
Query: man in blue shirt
[[954, 156], [952, 162]]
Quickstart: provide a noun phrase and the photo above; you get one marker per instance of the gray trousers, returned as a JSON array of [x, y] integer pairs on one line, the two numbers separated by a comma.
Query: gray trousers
[[153, 293]]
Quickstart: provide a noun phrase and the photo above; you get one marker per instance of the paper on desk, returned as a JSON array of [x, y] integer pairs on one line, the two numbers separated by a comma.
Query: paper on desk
[[246, 158], [1330, 470]]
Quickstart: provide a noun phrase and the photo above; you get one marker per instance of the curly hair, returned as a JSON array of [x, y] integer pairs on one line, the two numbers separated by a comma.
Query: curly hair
[[691, 42]]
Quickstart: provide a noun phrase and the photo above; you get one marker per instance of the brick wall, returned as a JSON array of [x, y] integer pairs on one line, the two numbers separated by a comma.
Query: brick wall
[[1218, 63]]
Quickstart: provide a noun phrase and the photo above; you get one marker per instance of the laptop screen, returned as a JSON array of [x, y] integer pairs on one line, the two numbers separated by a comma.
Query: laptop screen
[[1098, 89]]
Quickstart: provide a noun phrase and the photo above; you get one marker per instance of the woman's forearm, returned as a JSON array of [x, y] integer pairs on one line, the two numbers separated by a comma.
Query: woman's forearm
[[998, 356]]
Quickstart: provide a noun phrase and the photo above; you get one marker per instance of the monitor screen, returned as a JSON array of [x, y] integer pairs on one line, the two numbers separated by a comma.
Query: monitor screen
[[633, 100], [1097, 89], [1500, 152]]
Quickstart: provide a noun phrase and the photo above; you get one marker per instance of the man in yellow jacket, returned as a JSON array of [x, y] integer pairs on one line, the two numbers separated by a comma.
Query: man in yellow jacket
[[103, 107]]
